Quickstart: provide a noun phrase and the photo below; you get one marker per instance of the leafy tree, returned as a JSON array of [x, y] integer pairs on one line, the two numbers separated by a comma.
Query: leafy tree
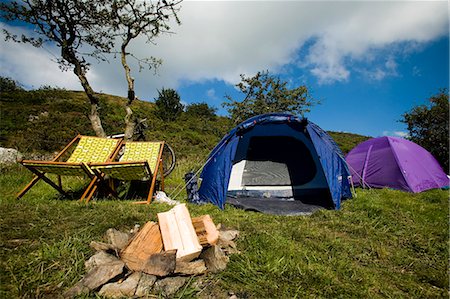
[[201, 110], [265, 93], [75, 26], [134, 18], [8, 84], [428, 126], [168, 105]]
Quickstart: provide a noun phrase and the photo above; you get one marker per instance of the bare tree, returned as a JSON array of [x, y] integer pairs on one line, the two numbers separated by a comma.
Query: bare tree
[[77, 27], [84, 28], [134, 18]]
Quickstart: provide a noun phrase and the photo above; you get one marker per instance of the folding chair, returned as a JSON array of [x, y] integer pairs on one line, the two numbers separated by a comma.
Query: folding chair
[[140, 161], [86, 150]]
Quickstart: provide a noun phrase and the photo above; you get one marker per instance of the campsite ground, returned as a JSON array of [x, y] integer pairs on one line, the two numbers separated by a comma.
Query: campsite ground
[[383, 243]]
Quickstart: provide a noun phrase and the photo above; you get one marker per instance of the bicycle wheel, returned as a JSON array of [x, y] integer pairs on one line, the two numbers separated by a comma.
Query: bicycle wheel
[[169, 159]]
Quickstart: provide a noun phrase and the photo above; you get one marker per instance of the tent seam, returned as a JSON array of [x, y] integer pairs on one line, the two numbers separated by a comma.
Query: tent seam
[[391, 146]]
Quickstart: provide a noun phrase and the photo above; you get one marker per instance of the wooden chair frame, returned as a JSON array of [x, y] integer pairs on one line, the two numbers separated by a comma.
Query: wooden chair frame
[[90, 189], [152, 183]]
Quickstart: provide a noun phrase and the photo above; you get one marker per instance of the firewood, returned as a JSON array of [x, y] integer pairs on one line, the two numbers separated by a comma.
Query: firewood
[[178, 233], [206, 230], [144, 244]]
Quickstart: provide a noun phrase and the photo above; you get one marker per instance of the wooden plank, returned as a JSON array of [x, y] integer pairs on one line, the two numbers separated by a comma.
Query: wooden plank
[[191, 246], [146, 242], [178, 233], [169, 230], [206, 230]]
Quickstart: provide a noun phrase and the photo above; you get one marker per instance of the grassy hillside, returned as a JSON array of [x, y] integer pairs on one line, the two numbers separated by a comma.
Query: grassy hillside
[[46, 119]]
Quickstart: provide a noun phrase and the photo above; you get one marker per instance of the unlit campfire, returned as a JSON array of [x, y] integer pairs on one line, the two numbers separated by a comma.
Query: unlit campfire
[[158, 258]]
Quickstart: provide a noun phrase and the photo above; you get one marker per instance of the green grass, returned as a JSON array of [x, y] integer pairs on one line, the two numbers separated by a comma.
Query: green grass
[[382, 244]]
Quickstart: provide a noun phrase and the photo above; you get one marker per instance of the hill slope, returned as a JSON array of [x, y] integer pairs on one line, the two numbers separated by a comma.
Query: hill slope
[[45, 119]]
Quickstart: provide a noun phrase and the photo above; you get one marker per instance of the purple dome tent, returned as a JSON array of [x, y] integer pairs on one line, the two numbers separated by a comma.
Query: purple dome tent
[[395, 163]]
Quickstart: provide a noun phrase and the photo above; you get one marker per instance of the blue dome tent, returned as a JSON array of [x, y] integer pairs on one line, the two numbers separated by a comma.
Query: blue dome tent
[[276, 163]]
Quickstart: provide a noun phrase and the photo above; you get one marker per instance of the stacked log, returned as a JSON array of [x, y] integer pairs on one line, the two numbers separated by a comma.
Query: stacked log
[[157, 258]]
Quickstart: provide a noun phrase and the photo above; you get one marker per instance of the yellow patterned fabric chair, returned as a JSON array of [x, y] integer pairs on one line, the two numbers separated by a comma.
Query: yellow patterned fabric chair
[[139, 161], [81, 151]]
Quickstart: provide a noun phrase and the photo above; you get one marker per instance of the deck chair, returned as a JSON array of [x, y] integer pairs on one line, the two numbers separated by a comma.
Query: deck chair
[[139, 161], [83, 150]]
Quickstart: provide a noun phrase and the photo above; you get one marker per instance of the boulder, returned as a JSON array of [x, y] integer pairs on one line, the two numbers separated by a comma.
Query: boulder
[[9, 156], [126, 288], [145, 285], [169, 286]]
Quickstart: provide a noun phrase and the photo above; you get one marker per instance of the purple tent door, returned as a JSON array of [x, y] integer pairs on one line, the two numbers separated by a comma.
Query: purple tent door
[[395, 163]]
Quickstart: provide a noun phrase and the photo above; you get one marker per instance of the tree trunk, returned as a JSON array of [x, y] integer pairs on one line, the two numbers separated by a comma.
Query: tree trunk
[[94, 116], [129, 121], [80, 71]]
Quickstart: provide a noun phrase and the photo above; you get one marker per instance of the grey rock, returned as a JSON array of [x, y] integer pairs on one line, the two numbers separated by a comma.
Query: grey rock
[[215, 259], [161, 264], [145, 285], [170, 285], [117, 238], [229, 247], [100, 275], [126, 288], [100, 246], [78, 289], [9, 156], [100, 258], [228, 234], [191, 268]]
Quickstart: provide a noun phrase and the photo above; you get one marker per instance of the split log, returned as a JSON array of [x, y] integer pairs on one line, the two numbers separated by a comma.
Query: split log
[[215, 259], [160, 264], [206, 230], [144, 244], [178, 233]]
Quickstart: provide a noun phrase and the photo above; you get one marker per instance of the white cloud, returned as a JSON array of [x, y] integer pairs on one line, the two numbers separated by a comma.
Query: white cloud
[[220, 40], [31, 66], [402, 134], [211, 94]]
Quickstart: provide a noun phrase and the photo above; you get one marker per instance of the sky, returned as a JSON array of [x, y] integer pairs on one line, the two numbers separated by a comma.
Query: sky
[[367, 62]]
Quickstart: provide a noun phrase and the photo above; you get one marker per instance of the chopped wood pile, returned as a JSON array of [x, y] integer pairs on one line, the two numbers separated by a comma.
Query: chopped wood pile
[[158, 258]]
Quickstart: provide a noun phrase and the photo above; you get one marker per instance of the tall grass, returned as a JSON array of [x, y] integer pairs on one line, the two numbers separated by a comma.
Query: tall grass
[[383, 243]]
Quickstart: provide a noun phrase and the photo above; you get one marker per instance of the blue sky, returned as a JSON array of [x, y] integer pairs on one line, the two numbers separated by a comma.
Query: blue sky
[[361, 104], [367, 62]]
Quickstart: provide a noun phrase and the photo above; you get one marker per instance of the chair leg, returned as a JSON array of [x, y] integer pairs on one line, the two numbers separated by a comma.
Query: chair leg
[[28, 187], [47, 180], [89, 191]]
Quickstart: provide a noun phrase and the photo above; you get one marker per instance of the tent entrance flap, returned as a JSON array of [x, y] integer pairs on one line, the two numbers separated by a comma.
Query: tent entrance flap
[[274, 161]]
